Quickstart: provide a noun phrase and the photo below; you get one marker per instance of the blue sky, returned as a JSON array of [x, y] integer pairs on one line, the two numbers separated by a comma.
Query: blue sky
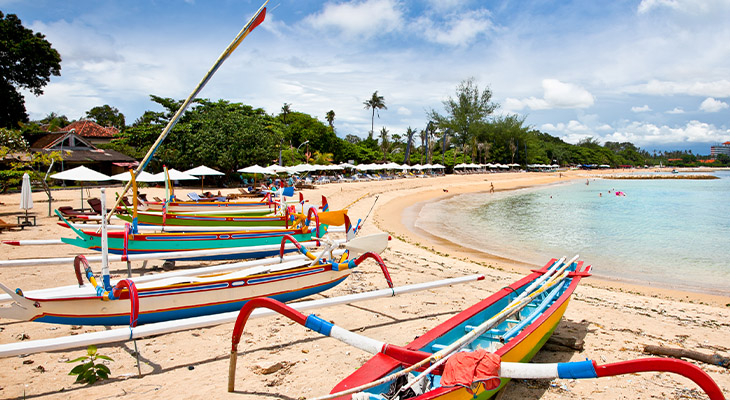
[[653, 72]]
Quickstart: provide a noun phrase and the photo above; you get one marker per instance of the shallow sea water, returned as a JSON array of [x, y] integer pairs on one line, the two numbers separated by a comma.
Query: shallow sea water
[[664, 233]]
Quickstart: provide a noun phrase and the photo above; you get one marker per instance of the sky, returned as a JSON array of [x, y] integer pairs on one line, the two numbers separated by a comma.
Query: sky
[[652, 72]]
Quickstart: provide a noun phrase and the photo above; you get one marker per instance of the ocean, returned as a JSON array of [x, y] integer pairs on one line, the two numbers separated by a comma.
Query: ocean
[[669, 233]]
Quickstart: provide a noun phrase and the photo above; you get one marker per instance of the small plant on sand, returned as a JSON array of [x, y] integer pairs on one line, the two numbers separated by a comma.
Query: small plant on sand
[[89, 371]]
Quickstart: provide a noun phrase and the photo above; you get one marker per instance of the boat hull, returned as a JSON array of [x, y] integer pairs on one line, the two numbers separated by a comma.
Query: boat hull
[[520, 348], [182, 300], [205, 220], [173, 242]]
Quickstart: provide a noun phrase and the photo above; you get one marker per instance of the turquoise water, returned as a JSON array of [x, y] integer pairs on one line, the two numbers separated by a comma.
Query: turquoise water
[[664, 233]]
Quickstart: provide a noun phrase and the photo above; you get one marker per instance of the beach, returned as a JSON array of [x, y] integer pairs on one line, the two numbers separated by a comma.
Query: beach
[[613, 319]]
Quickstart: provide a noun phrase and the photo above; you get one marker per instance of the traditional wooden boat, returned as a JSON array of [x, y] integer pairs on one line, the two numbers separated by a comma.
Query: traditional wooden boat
[[131, 243], [176, 297], [516, 334], [267, 204], [475, 353], [175, 219], [214, 219]]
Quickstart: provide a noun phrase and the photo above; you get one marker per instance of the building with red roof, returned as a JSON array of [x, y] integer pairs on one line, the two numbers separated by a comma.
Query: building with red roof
[[92, 131]]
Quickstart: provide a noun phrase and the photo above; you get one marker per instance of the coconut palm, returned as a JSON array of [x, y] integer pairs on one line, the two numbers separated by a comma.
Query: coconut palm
[[384, 143], [331, 118], [285, 110], [375, 103], [410, 132]]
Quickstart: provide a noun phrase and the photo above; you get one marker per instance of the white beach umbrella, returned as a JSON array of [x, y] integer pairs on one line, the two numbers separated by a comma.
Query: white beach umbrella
[[438, 166], [144, 176], [347, 165], [81, 174], [255, 169], [276, 168], [202, 171], [26, 198], [175, 175]]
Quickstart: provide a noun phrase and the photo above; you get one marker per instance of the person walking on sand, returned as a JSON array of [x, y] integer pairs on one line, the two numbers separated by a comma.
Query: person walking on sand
[[491, 189]]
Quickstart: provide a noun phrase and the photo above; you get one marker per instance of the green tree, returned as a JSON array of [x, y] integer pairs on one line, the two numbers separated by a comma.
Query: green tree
[[384, 143], [107, 115], [285, 111], [331, 118], [27, 61], [467, 113], [375, 103], [54, 121], [410, 132]]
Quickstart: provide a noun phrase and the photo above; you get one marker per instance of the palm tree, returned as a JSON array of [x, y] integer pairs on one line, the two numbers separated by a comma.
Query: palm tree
[[423, 136], [322, 158], [409, 142], [375, 103], [384, 143], [285, 110], [331, 118]]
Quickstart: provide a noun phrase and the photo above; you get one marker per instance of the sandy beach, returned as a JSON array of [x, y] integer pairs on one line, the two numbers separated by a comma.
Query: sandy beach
[[613, 319]]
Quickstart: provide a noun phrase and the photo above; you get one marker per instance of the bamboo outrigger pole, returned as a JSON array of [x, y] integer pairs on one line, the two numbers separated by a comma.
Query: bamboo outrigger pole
[[255, 21]]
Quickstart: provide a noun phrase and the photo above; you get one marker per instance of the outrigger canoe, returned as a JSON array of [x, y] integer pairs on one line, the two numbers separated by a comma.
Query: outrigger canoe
[[475, 353], [218, 220], [262, 205], [177, 297], [516, 336], [139, 243]]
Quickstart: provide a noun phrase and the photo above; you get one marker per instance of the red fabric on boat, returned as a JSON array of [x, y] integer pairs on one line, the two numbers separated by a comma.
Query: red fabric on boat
[[465, 368]]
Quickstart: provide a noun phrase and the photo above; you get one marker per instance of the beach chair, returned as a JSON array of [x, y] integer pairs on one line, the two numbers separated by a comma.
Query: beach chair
[[95, 205], [6, 226]]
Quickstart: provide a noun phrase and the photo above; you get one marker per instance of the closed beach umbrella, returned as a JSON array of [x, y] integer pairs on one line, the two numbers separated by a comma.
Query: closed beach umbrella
[[26, 198], [81, 174]]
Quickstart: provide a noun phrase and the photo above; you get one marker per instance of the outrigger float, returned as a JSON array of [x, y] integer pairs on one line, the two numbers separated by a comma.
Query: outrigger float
[[476, 352]]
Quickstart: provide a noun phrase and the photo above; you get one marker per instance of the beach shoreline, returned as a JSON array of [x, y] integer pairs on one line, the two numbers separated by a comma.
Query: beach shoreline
[[613, 321], [409, 206]]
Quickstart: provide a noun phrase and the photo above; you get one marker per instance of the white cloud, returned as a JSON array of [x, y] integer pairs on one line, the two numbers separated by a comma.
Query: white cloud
[[676, 110], [359, 18], [404, 111], [556, 95], [647, 5], [642, 134], [458, 30], [720, 88], [712, 105], [644, 108]]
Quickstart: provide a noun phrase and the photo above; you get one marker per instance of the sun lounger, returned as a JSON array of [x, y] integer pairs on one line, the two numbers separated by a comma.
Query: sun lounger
[[4, 225]]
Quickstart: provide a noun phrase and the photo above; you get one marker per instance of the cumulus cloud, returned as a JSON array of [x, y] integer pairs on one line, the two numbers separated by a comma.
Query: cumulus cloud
[[647, 5], [676, 110], [720, 88], [641, 133], [644, 108], [557, 94], [457, 29], [712, 105], [359, 18]]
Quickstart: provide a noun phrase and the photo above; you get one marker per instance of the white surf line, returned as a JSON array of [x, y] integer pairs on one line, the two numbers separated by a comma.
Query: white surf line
[[126, 333]]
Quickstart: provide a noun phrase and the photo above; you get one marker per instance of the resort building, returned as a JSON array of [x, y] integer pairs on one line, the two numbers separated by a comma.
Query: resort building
[[720, 149]]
